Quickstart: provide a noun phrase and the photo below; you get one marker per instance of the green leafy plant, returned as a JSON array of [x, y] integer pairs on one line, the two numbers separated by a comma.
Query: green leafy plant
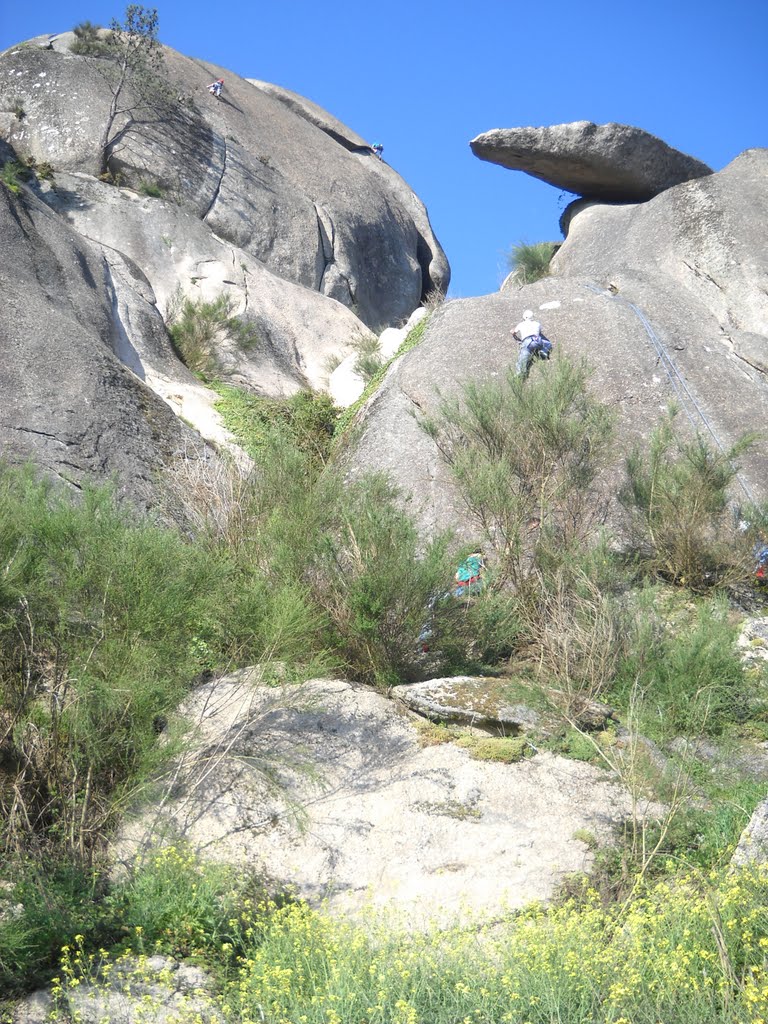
[[532, 502], [369, 359], [13, 173], [376, 586], [308, 417], [529, 263], [689, 675]]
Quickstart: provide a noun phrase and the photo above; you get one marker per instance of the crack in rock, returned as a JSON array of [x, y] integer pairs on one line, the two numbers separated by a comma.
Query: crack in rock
[[221, 180]]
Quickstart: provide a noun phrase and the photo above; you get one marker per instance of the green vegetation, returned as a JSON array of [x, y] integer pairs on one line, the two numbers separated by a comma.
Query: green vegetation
[[534, 504], [690, 950], [308, 418], [130, 60], [412, 340], [529, 263], [151, 189], [677, 497], [196, 326], [13, 173], [505, 749], [369, 359], [87, 41], [107, 621], [691, 678]]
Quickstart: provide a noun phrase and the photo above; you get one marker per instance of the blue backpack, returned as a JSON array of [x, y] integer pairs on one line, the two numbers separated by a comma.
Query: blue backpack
[[541, 348]]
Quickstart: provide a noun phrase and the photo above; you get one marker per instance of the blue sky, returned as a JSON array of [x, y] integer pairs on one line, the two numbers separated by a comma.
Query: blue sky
[[425, 77]]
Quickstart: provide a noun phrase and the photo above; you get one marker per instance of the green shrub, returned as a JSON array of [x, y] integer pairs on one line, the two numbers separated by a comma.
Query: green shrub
[[532, 502], [196, 326], [57, 901], [356, 557], [688, 676], [377, 586], [677, 501], [151, 189], [529, 263], [308, 418], [369, 359], [97, 621], [87, 42], [13, 173], [176, 904]]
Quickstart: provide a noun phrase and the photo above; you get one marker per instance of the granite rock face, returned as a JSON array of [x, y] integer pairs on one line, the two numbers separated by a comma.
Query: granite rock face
[[253, 167], [613, 162], [260, 197], [688, 269], [753, 844], [72, 399]]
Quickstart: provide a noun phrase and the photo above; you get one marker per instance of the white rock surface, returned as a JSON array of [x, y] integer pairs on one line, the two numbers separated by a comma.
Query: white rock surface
[[362, 812], [345, 385]]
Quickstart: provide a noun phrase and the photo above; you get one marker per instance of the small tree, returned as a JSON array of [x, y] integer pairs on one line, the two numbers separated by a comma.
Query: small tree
[[132, 64]]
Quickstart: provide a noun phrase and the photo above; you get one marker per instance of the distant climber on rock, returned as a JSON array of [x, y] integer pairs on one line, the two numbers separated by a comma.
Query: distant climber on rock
[[378, 149], [533, 343], [215, 88]]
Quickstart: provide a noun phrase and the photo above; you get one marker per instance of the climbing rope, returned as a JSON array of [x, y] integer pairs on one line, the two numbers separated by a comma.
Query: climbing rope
[[676, 379]]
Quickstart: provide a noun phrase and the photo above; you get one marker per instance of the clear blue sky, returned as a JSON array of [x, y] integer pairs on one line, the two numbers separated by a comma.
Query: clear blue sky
[[425, 77]]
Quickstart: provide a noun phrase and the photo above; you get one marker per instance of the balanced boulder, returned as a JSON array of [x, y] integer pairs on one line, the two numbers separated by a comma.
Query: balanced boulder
[[614, 162]]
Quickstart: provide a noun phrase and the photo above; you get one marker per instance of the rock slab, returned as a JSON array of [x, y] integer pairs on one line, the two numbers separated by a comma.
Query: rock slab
[[615, 162], [362, 813]]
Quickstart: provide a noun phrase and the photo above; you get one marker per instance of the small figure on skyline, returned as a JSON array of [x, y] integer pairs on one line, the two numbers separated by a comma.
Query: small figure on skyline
[[533, 343], [378, 149]]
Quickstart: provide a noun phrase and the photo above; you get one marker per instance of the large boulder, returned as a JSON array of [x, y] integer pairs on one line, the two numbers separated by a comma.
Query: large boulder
[[73, 333], [614, 162], [260, 175], [326, 786], [687, 271]]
